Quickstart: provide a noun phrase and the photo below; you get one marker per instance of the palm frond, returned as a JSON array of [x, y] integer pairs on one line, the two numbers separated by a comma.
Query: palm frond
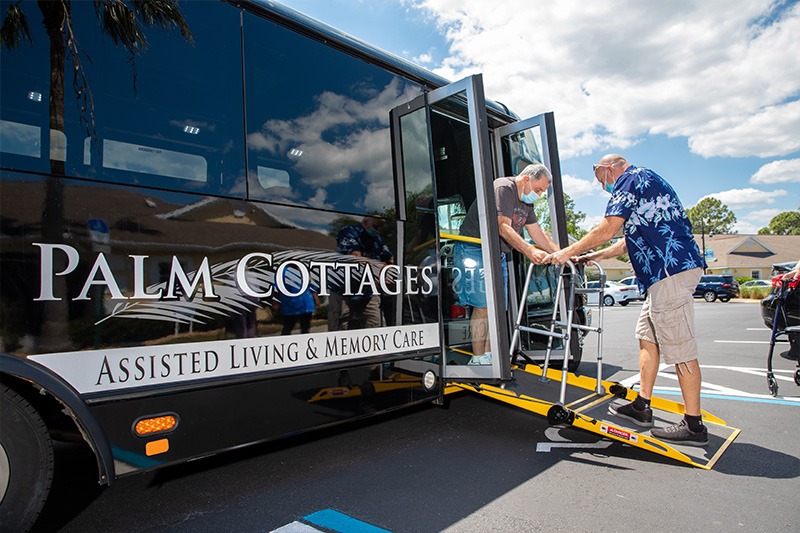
[[120, 23], [15, 27], [165, 13]]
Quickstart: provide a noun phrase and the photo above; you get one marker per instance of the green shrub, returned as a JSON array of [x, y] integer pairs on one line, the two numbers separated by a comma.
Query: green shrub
[[757, 293]]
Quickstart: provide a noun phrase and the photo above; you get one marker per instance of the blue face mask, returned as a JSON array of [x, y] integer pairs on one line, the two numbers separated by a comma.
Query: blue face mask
[[373, 232], [529, 198], [609, 187]]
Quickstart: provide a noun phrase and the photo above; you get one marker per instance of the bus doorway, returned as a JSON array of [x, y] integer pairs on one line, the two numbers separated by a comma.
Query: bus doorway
[[446, 162]]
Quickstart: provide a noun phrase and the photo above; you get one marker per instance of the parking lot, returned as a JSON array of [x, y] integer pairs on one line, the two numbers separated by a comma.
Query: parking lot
[[480, 466]]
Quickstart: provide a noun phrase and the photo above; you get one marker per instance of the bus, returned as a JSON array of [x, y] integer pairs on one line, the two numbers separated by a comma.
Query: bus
[[173, 282]]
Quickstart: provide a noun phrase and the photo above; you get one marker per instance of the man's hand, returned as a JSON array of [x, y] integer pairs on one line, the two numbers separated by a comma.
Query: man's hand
[[559, 258], [594, 256], [536, 256]]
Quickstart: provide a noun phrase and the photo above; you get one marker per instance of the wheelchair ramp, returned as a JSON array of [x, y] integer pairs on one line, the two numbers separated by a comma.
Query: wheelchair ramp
[[585, 409]]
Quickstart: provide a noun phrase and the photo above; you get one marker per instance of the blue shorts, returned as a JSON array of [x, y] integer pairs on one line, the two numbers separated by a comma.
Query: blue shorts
[[468, 282]]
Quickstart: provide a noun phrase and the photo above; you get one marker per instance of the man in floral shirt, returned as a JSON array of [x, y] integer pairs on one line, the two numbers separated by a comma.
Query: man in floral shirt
[[668, 265]]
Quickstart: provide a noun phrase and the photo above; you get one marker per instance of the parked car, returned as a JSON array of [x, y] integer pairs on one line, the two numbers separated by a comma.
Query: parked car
[[791, 306], [756, 283], [614, 293], [632, 282], [712, 287]]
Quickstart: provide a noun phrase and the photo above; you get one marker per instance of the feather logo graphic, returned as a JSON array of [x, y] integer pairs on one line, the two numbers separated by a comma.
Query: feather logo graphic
[[261, 278]]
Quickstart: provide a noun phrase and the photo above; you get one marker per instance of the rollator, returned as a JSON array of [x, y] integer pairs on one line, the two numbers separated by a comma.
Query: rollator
[[779, 328]]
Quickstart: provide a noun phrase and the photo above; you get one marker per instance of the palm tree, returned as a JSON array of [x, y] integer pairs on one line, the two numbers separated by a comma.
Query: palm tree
[[123, 24]]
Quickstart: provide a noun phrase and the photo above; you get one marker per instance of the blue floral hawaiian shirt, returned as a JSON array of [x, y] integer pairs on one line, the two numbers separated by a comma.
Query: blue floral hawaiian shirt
[[658, 233]]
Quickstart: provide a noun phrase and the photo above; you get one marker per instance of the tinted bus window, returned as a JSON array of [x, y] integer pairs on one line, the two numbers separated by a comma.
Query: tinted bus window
[[318, 123], [171, 117]]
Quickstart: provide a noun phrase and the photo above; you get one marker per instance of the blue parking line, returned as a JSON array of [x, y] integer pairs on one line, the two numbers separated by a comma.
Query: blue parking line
[[729, 397], [336, 521]]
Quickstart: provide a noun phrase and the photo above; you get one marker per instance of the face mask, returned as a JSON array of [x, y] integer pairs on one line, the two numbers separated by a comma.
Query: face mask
[[373, 232], [529, 198], [609, 187]]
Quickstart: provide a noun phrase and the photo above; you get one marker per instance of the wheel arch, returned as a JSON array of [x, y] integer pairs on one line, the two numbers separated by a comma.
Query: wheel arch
[[25, 377]]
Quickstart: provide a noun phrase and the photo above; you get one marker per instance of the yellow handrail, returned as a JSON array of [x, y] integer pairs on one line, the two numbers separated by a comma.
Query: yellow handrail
[[473, 240]]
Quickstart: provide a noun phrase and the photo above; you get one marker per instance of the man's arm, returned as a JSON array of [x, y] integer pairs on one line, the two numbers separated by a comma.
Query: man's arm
[[541, 238], [618, 248], [517, 242], [603, 233]]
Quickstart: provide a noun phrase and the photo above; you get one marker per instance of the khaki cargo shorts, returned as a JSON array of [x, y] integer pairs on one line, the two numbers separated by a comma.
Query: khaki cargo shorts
[[667, 317]]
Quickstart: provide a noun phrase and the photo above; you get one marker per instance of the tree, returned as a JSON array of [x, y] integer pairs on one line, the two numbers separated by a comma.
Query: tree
[[786, 223], [574, 218], [124, 25], [710, 215]]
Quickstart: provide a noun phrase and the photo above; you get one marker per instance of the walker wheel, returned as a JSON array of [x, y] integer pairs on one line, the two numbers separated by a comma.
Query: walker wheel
[[773, 385], [797, 376], [558, 415]]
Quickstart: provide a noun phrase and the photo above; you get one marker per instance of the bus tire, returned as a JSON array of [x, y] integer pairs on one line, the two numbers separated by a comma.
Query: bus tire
[[26, 462]]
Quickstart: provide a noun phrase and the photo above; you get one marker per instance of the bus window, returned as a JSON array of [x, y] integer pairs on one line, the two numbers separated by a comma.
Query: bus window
[[318, 123], [157, 119]]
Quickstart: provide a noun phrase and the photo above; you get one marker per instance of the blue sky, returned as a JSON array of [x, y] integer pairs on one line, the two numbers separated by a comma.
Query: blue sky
[[707, 93]]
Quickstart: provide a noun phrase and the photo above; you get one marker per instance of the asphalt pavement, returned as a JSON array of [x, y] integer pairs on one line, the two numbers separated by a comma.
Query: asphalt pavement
[[478, 466]]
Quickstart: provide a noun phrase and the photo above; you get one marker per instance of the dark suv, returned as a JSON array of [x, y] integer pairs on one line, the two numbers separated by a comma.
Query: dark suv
[[712, 287]]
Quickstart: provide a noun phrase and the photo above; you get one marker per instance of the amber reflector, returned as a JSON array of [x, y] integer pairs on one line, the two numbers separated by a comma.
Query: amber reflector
[[159, 424], [156, 447]]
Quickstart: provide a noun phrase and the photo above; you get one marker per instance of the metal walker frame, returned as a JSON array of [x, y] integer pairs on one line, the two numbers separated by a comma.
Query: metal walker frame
[[566, 306]]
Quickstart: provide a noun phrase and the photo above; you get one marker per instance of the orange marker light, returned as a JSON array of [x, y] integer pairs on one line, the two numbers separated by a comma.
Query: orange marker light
[[159, 424]]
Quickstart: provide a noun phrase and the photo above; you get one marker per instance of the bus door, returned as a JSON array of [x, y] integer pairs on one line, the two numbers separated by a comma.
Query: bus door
[[442, 156], [517, 145]]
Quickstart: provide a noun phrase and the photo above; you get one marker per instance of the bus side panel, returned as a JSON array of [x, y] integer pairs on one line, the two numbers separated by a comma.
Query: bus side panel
[[153, 213], [212, 419]]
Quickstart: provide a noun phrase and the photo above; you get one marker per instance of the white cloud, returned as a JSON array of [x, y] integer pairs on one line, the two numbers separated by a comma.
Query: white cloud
[[578, 188], [749, 197], [755, 220], [423, 59], [590, 222], [746, 228], [781, 171], [615, 72]]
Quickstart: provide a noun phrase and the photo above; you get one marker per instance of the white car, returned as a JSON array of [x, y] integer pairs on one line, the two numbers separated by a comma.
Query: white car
[[614, 293], [631, 282], [756, 283]]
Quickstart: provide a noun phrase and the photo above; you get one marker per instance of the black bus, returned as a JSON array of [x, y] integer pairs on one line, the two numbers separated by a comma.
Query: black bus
[[173, 196]]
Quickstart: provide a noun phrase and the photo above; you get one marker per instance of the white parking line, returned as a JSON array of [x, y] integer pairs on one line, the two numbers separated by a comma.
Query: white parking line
[[711, 390], [742, 342]]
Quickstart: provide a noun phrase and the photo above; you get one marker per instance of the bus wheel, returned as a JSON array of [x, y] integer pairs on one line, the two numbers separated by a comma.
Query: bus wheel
[[26, 462]]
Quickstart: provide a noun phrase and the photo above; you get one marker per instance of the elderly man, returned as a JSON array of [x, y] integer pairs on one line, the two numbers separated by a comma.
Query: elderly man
[[514, 198], [668, 264]]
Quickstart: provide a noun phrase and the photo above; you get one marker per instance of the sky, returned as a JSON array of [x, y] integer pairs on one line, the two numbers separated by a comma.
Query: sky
[[705, 93]]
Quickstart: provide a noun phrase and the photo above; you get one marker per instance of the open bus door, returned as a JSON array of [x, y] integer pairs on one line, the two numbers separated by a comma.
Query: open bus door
[[442, 139], [516, 145]]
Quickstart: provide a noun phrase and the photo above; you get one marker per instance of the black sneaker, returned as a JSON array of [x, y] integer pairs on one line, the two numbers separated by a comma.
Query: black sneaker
[[681, 434], [643, 418]]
